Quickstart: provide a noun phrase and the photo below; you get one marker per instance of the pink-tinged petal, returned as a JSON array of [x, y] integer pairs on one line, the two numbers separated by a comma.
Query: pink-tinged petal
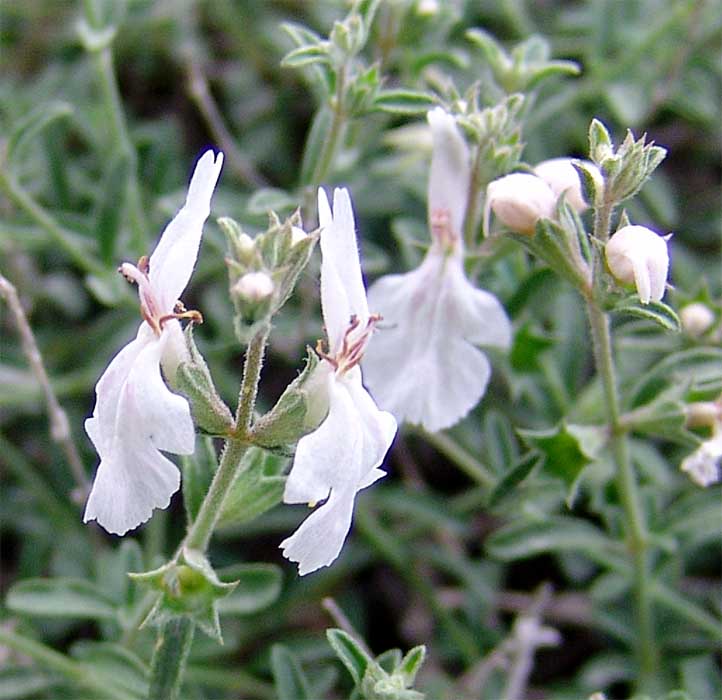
[[342, 290], [173, 260], [449, 172], [319, 539], [422, 364]]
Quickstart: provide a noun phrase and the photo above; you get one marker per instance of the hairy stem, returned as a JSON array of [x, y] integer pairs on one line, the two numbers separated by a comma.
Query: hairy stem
[[200, 532], [635, 521], [323, 164], [59, 424], [169, 658]]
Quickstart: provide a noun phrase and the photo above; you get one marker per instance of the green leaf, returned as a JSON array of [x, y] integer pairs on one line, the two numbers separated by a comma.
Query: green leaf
[[692, 367], [257, 587], [109, 211], [352, 655], [566, 449], [60, 597], [306, 55], [33, 124], [288, 676], [514, 477], [411, 664], [403, 101], [528, 538], [655, 311], [118, 664], [17, 683], [271, 199], [198, 470], [258, 487], [315, 143], [528, 347]]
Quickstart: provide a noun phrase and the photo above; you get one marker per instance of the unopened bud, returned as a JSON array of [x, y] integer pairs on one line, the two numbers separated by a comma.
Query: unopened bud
[[696, 319], [253, 287], [519, 200], [563, 178], [637, 255]]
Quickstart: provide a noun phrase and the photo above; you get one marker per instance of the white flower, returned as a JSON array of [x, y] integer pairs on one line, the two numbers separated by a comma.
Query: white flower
[[519, 200], [343, 455], [635, 254], [563, 178], [135, 414], [703, 464], [422, 365]]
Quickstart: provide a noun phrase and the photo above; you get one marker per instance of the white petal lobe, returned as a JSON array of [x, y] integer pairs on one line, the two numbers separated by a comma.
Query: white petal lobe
[[174, 258], [342, 290]]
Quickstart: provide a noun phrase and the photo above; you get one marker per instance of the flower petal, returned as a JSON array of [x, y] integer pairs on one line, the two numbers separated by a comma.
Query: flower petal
[[449, 173], [330, 456], [174, 258], [342, 290], [164, 418], [422, 365], [319, 539], [101, 426], [133, 478], [136, 415]]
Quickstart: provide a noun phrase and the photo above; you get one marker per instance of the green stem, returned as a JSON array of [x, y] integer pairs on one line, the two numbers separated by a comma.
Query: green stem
[[249, 383], [637, 537], [50, 660], [472, 202], [200, 532], [169, 658], [20, 197], [463, 459], [323, 164], [106, 75]]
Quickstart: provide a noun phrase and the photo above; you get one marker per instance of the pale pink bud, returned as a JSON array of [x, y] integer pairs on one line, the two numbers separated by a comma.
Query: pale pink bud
[[696, 318], [563, 178], [519, 200], [254, 287], [636, 255]]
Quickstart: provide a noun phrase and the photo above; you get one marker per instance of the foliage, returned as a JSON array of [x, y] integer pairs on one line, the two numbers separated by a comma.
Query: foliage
[[484, 542]]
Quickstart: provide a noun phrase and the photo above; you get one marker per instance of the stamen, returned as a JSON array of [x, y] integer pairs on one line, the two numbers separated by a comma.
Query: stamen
[[193, 316]]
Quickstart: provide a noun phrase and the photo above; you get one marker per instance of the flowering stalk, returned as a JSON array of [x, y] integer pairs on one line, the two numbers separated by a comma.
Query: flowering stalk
[[200, 532], [635, 519]]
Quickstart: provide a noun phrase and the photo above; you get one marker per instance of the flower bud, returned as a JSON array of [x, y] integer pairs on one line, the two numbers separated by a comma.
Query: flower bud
[[563, 178], [519, 200], [636, 255], [253, 287], [696, 319]]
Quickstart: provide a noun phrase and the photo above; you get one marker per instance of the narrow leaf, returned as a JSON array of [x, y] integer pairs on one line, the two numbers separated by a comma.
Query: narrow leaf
[[353, 657], [60, 597], [290, 681]]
